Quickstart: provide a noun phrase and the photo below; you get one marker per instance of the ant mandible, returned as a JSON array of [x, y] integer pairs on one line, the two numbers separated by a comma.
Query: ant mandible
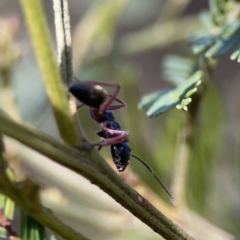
[[90, 93]]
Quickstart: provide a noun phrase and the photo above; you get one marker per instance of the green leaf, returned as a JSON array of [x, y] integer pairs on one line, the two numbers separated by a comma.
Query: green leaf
[[3, 233], [177, 68], [228, 44], [216, 45], [148, 100], [160, 102], [206, 19], [199, 49], [184, 103], [230, 29], [53, 237], [213, 49], [214, 6], [2, 201], [9, 208], [202, 39], [31, 229], [236, 53]]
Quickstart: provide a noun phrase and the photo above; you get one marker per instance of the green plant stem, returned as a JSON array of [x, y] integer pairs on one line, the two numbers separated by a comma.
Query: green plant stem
[[63, 36], [37, 25], [94, 168], [181, 167]]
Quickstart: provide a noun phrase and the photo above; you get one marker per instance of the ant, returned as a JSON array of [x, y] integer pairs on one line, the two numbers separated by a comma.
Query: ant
[[94, 96], [90, 93]]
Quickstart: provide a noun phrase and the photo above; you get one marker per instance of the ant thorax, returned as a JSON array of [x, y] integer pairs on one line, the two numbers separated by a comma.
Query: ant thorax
[[101, 116]]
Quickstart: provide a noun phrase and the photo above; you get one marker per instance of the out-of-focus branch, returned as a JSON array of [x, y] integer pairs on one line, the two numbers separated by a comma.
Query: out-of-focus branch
[[10, 53], [159, 36], [181, 166], [26, 197], [99, 17], [172, 9]]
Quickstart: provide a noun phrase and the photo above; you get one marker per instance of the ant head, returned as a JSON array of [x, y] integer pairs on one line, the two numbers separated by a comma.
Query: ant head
[[121, 155], [92, 95]]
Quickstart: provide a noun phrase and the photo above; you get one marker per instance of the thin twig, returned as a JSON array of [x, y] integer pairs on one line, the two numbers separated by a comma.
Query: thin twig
[[180, 169], [37, 25], [63, 36], [64, 48], [94, 168]]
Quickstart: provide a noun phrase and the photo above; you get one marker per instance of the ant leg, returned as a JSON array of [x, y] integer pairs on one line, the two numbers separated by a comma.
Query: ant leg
[[118, 137], [116, 99], [114, 107], [111, 97], [81, 105]]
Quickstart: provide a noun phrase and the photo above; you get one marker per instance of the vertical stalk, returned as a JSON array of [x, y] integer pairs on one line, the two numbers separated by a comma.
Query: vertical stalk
[[63, 36], [180, 168], [37, 25], [64, 48]]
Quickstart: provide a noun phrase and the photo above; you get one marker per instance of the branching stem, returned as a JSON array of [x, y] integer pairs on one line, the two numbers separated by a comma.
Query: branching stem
[[93, 167]]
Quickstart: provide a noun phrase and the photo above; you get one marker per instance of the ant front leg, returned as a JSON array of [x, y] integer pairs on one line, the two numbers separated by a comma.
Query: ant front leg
[[114, 107], [110, 108], [106, 105]]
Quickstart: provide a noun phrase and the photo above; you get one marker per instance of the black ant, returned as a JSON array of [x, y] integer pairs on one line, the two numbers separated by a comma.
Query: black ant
[[95, 96]]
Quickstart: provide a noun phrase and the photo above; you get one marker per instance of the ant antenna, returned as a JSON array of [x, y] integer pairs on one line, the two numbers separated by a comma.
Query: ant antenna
[[153, 173]]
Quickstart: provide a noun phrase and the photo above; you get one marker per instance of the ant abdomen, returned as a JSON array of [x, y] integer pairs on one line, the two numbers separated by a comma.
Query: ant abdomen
[[121, 155]]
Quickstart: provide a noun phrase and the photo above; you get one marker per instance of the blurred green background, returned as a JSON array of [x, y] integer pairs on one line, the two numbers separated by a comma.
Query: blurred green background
[[129, 42]]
